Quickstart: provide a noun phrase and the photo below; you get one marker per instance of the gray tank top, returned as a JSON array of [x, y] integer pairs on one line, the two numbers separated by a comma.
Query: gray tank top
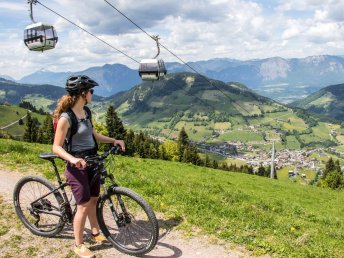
[[83, 139]]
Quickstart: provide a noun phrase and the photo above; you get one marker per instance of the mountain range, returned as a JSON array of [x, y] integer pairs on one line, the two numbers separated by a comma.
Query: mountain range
[[284, 80], [111, 78], [209, 110]]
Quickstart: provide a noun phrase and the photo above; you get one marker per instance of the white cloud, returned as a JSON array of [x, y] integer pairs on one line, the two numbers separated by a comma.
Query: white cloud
[[10, 6], [193, 29]]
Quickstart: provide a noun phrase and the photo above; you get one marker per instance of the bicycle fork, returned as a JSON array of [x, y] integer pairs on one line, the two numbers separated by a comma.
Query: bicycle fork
[[121, 219]]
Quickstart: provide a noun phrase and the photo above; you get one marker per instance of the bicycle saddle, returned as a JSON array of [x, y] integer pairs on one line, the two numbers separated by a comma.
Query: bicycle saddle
[[48, 156]]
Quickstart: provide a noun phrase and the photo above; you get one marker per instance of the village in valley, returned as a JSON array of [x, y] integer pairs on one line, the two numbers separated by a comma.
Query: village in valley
[[296, 160]]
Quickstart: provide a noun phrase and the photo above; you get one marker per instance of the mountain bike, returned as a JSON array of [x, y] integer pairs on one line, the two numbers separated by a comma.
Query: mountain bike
[[124, 217]]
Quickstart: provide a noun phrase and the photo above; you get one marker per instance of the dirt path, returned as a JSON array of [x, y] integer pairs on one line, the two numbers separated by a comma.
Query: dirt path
[[4, 127], [171, 243]]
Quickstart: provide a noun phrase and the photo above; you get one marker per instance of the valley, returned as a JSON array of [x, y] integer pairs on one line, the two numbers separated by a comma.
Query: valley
[[214, 114]]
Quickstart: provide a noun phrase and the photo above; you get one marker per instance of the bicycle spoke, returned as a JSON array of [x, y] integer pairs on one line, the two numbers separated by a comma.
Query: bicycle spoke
[[41, 215], [136, 231]]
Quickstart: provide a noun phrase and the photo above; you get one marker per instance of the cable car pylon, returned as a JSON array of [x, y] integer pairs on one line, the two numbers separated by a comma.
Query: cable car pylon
[[39, 36]]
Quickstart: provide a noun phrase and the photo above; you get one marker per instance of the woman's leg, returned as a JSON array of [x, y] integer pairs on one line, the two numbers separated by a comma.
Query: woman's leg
[[79, 222], [92, 215]]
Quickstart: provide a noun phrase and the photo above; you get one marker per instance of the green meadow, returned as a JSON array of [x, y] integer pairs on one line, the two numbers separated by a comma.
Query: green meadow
[[274, 217]]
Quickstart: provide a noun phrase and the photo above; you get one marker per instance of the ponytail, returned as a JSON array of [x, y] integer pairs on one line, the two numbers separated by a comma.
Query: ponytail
[[64, 104]]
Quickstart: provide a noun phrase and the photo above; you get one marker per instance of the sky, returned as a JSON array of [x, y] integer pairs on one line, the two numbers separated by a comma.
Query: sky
[[192, 29]]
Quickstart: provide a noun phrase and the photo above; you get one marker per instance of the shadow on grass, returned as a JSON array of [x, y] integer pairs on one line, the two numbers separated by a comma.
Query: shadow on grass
[[163, 250]]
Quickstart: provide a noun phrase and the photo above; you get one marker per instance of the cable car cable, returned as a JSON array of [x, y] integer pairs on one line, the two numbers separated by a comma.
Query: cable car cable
[[103, 41], [31, 2], [115, 48], [152, 37], [90, 33], [190, 67]]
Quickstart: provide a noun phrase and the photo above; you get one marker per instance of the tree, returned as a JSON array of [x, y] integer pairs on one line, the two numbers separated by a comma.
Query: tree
[[100, 128], [207, 161], [129, 143], [183, 142], [162, 152], [114, 125], [261, 170], [186, 155], [215, 164], [152, 153], [47, 130], [334, 180], [171, 150], [224, 166], [329, 167], [31, 129], [332, 176]]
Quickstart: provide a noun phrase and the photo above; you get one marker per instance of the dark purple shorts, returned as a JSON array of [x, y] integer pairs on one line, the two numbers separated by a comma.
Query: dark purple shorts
[[80, 183]]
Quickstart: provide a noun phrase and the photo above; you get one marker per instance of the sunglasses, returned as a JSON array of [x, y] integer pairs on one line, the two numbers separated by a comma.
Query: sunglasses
[[91, 91]]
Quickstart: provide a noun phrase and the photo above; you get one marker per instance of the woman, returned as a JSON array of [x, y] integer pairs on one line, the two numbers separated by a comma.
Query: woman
[[81, 144]]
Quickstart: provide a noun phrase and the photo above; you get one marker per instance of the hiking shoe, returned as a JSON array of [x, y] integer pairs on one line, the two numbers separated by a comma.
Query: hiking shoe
[[100, 239], [83, 252]]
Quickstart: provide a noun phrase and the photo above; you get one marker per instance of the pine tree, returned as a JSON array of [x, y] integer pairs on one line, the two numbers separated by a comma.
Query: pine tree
[[31, 130], [332, 175], [224, 166], [195, 159], [47, 130], [162, 152], [34, 130], [337, 166], [215, 164], [153, 154], [207, 161], [129, 143], [334, 180], [186, 155], [28, 128], [114, 125], [329, 167], [183, 142], [261, 170]]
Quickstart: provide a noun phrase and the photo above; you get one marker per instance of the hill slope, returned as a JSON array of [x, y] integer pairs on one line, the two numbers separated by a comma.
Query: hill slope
[[267, 216], [10, 116], [326, 103], [214, 113], [187, 97]]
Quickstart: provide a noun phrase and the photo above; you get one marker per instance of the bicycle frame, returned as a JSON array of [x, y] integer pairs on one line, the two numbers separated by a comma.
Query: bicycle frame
[[66, 210]]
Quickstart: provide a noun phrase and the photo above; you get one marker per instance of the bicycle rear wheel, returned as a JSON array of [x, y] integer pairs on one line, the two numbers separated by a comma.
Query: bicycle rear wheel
[[137, 231], [42, 217]]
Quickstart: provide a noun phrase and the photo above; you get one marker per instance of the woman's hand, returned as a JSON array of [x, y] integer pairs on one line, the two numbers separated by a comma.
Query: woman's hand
[[120, 143], [78, 162]]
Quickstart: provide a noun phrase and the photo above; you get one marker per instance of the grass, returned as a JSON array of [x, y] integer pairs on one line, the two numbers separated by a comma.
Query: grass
[[266, 216], [10, 114], [17, 241], [242, 136]]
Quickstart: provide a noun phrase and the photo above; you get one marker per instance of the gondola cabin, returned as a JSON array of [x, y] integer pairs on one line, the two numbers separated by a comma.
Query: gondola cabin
[[152, 69], [40, 37]]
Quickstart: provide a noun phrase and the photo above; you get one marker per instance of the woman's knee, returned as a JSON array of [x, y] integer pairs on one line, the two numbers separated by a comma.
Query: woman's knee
[[84, 207]]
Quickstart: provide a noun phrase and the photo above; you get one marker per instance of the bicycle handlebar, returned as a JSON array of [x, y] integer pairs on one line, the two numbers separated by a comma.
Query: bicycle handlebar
[[97, 158], [113, 149]]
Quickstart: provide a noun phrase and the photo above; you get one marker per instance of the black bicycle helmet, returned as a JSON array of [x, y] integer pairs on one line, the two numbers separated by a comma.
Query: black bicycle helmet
[[77, 83]]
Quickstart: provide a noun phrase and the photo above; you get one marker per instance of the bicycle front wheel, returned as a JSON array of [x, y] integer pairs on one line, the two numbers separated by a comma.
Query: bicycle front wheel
[[42, 216], [136, 232]]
